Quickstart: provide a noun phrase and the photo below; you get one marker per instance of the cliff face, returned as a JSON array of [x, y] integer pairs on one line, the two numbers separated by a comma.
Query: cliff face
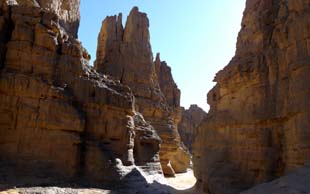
[[188, 126], [125, 53], [68, 11], [258, 125], [167, 85], [59, 118]]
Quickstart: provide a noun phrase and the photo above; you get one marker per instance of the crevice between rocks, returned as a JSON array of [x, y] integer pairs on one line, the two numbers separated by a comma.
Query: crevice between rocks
[[6, 30]]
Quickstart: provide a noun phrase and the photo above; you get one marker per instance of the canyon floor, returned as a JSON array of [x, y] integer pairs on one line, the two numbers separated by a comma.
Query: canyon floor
[[181, 184]]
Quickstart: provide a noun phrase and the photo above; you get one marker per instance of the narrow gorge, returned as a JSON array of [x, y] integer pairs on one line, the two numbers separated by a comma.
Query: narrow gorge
[[67, 126]]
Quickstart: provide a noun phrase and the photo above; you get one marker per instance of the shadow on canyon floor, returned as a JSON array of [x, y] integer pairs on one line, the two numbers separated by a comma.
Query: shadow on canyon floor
[[133, 183]]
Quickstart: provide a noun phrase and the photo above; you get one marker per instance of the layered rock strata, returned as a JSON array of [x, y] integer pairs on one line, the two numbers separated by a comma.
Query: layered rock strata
[[180, 161], [60, 120], [126, 54], [257, 128], [68, 11], [191, 119]]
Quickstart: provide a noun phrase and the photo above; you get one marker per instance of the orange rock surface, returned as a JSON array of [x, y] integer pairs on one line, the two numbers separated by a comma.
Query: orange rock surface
[[60, 120], [126, 54], [257, 128]]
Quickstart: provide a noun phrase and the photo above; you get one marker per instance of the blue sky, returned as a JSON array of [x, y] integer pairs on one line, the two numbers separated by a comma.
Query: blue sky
[[196, 39]]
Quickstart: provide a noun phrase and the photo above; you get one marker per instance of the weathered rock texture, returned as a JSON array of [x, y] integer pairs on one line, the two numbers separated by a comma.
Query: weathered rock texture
[[60, 119], [191, 119], [181, 160], [68, 11], [258, 125], [167, 85], [125, 53], [296, 182]]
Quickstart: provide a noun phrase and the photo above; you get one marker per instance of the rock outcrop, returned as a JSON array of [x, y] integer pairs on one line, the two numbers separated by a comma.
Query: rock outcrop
[[180, 162], [257, 128], [60, 120], [191, 119], [126, 54], [167, 85], [68, 11], [296, 182]]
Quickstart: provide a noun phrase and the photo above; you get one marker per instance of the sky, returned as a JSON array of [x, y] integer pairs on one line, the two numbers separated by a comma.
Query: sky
[[196, 39]]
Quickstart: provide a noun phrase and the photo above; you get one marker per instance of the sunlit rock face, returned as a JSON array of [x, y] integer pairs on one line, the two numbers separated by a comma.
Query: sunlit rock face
[[126, 54], [191, 119], [68, 11], [60, 120], [257, 128]]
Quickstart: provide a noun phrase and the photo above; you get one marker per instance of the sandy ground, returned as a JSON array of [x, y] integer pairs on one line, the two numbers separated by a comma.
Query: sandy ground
[[182, 181], [181, 184]]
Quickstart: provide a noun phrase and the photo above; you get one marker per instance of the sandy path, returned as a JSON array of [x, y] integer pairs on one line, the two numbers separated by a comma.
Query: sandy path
[[183, 183]]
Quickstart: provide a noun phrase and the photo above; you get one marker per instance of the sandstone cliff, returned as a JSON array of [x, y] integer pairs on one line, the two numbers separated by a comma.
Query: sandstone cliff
[[125, 53], [167, 85], [68, 11], [60, 120], [257, 128], [191, 119]]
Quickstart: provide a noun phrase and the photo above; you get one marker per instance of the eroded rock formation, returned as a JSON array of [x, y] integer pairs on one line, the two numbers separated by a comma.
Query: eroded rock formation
[[191, 119], [68, 11], [257, 128], [125, 53], [60, 120], [167, 85], [180, 162]]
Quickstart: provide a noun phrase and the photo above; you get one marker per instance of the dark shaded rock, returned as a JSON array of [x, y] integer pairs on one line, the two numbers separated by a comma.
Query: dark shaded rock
[[295, 182], [188, 126], [257, 128]]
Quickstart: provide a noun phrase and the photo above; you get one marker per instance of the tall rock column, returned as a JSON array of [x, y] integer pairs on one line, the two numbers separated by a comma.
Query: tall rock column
[[180, 161], [126, 54], [257, 128], [167, 85]]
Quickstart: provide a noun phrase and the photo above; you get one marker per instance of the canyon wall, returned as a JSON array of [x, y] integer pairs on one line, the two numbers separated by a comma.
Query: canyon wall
[[125, 53], [68, 11], [257, 128], [60, 120], [188, 126]]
